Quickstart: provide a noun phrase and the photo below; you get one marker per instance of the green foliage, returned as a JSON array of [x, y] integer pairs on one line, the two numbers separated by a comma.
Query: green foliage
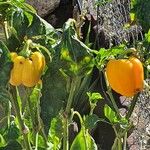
[[2, 141], [71, 58], [76, 58], [147, 36], [94, 97], [67, 78], [110, 114], [13, 132], [83, 141], [54, 93], [5, 64], [103, 55], [91, 121], [5, 68], [56, 133], [142, 11], [28, 25], [11, 146]]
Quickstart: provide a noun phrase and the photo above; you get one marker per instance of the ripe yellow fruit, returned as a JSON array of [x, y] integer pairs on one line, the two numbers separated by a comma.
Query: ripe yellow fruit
[[27, 71], [16, 72], [125, 76]]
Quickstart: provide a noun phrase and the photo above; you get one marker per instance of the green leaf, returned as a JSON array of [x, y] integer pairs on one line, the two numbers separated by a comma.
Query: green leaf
[[30, 17], [30, 25], [2, 141], [5, 65], [104, 55], [94, 97], [56, 133], [110, 114], [56, 127], [13, 132], [83, 141], [91, 121], [41, 143], [147, 36], [19, 22], [12, 145], [132, 17], [54, 93], [76, 57], [39, 27]]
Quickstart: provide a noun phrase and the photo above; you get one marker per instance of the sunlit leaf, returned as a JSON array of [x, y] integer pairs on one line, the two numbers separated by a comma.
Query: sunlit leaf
[[110, 114], [83, 141]]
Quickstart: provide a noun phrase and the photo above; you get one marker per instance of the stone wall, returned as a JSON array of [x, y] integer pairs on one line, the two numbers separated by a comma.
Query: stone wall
[[44, 7]]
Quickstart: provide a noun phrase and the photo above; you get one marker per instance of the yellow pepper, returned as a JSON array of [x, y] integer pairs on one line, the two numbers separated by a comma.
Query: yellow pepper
[[27, 71], [125, 76], [16, 72]]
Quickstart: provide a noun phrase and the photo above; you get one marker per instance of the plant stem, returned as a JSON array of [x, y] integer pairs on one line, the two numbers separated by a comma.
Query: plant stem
[[66, 114], [114, 103], [83, 129], [36, 140], [26, 51], [22, 126], [66, 133], [71, 94], [133, 103], [92, 108], [8, 113], [5, 28], [119, 144], [125, 142]]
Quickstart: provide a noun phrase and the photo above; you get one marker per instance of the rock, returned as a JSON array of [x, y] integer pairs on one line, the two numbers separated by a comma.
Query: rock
[[44, 7], [140, 137]]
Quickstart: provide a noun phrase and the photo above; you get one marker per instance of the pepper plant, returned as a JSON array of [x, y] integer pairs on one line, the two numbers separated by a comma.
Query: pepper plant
[[45, 84]]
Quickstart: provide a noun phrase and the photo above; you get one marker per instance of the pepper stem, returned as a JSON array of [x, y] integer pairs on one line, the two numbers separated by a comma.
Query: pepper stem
[[26, 52]]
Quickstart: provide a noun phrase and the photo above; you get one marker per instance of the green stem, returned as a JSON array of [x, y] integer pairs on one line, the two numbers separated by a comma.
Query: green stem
[[9, 113], [36, 141], [66, 133], [26, 51], [125, 142], [82, 128], [5, 28], [22, 126], [119, 144], [133, 103], [70, 98], [66, 114], [43, 134], [114, 103], [92, 108], [38, 46]]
